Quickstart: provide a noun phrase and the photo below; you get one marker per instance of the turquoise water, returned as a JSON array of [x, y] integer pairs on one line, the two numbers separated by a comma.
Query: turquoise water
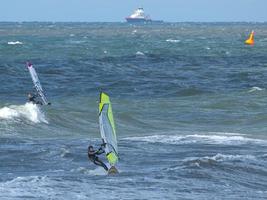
[[189, 100]]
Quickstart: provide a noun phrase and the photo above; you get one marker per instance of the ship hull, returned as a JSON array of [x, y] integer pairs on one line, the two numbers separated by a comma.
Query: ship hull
[[142, 21], [137, 20]]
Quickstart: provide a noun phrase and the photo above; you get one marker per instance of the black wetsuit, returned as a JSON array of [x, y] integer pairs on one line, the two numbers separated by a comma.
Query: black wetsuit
[[32, 99], [92, 155]]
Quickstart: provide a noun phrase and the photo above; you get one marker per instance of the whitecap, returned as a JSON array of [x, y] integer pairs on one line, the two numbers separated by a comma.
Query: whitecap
[[224, 139], [14, 43], [134, 31], [173, 40], [253, 89], [76, 41], [8, 113], [28, 111], [139, 53], [95, 172], [222, 158], [64, 152], [26, 186]]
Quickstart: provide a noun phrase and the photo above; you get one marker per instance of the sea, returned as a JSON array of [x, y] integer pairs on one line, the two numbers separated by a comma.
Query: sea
[[189, 103]]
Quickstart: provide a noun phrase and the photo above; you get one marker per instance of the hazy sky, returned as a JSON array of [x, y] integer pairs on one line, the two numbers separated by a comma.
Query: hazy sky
[[117, 10]]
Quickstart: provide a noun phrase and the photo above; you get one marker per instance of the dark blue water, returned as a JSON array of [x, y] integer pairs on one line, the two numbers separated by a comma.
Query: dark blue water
[[189, 101]]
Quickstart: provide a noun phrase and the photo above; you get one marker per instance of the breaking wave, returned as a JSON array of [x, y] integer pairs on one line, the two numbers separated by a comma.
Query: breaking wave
[[28, 111], [139, 53], [25, 186], [254, 89], [224, 139], [14, 43], [172, 40], [99, 171], [221, 158]]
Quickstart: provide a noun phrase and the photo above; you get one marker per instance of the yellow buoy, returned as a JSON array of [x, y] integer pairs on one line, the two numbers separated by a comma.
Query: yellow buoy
[[250, 40]]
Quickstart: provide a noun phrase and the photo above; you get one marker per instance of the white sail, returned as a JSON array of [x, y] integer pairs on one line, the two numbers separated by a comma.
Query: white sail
[[37, 83]]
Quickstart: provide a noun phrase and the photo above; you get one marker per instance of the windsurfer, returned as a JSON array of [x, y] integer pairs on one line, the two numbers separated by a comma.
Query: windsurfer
[[93, 156], [32, 99]]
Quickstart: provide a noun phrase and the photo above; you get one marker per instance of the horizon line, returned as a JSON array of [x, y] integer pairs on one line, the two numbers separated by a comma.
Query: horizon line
[[125, 22]]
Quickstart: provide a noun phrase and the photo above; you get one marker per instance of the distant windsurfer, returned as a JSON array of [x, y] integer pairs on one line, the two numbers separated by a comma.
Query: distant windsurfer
[[37, 86], [32, 99], [93, 156]]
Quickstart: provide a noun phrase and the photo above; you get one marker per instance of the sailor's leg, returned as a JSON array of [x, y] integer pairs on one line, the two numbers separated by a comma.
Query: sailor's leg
[[100, 163]]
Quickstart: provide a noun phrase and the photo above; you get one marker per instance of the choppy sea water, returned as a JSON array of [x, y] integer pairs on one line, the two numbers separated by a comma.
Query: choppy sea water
[[189, 101]]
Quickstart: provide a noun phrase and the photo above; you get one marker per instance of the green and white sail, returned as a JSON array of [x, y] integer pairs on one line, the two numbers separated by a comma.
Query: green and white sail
[[107, 129]]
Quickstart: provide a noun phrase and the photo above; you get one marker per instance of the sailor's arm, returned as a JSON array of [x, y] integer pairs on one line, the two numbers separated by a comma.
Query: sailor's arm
[[100, 151], [91, 153]]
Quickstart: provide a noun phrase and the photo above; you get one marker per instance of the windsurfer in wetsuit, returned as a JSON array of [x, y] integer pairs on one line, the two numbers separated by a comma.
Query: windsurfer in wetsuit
[[32, 99], [93, 156]]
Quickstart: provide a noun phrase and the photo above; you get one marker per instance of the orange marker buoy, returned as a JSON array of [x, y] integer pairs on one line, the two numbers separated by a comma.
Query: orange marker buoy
[[250, 40]]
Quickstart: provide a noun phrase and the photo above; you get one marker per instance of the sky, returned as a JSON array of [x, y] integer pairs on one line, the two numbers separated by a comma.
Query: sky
[[117, 10]]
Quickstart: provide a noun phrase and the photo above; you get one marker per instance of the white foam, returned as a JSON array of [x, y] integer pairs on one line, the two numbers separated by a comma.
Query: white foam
[[8, 113], [25, 186], [64, 152], [253, 89], [28, 111], [99, 171], [134, 31], [218, 158], [172, 40], [139, 53], [219, 138], [33, 179], [222, 158], [76, 41], [46, 187], [14, 43]]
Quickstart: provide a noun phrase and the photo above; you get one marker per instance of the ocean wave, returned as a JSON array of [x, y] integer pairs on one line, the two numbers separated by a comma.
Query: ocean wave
[[139, 53], [99, 171], [224, 138], [44, 187], [221, 158], [28, 186], [134, 31], [173, 40], [19, 179], [14, 43], [254, 89], [64, 152], [216, 159], [28, 111], [76, 41]]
